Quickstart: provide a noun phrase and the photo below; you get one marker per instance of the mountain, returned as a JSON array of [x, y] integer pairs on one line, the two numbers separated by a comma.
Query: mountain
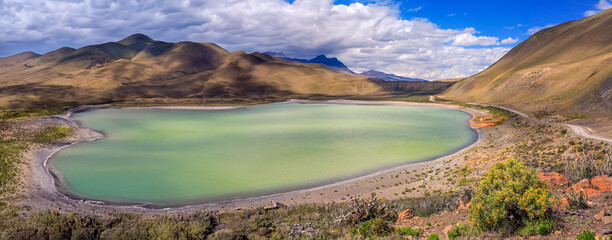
[[139, 67], [337, 66], [331, 63], [388, 77], [565, 69]]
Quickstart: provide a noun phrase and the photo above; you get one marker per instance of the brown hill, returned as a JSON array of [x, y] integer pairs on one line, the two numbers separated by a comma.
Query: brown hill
[[140, 67], [565, 69]]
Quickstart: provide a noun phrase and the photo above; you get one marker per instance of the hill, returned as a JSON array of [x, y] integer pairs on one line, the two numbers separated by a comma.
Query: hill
[[566, 69], [140, 67]]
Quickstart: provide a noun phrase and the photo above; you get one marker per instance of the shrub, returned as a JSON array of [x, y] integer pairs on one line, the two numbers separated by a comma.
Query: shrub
[[366, 209], [409, 231], [372, 228], [433, 236], [577, 200], [585, 235], [532, 228], [458, 231], [510, 195]]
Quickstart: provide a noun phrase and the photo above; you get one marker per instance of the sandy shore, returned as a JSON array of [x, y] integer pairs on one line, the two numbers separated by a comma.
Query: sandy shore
[[43, 194]]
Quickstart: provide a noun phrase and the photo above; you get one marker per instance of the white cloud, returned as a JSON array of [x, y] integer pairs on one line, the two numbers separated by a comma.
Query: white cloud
[[416, 9], [536, 29], [509, 40], [364, 36], [600, 6], [451, 15]]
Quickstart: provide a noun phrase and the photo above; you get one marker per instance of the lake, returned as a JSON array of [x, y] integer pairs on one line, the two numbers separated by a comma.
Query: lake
[[180, 157]]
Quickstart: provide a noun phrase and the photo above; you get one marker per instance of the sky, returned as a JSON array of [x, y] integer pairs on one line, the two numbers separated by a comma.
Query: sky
[[430, 39]]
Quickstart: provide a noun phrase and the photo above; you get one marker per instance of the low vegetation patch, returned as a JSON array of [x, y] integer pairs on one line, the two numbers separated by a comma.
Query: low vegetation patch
[[52, 134]]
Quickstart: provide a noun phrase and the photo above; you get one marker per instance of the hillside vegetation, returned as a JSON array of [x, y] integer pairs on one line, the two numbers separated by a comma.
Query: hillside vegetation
[[140, 67], [566, 69]]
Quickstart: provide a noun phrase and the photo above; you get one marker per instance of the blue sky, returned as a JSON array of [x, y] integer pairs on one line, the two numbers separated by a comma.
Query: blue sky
[[430, 39]]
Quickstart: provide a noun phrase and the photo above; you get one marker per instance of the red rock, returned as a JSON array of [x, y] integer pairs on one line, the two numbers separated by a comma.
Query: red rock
[[602, 183], [563, 203], [591, 193], [404, 216], [585, 183], [554, 179], [463, 205]]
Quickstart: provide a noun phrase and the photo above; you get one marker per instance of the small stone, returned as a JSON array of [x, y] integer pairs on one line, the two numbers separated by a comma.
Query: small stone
[[606, 231], [558, 233], [600, 215], [274, 205], [607, 219]]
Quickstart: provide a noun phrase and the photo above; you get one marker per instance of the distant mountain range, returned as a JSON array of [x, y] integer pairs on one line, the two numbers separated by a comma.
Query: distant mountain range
[[337, 66], [565, 69], [139, 67]]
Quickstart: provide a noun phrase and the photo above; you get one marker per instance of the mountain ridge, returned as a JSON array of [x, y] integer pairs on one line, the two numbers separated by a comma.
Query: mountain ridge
[[139, 67]]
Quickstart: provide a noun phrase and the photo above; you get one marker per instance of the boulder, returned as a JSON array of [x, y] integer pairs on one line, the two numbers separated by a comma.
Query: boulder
[[554, 179], [607, 220], [602, 183], [591, 193], [585, 183], [405, 216]]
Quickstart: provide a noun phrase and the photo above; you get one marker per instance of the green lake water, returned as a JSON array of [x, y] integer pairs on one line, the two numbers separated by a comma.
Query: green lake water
[[174, 157]]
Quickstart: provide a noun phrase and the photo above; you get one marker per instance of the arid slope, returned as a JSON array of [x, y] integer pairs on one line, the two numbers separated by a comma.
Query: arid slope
[[140, 67], [566, 69]]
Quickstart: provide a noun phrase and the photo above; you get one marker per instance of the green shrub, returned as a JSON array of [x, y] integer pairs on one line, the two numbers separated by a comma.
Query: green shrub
[[586, 235], [510, 195], [532, 228], [433, 236], [374, 227], [458, 231], [409, 231]]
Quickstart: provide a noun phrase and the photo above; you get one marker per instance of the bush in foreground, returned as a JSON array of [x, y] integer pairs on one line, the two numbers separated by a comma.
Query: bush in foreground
[[509, 197]]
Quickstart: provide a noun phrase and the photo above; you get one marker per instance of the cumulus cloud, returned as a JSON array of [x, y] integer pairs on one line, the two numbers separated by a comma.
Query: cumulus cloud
[[509, 40], [600, 6], [364, 36], [536, 29]]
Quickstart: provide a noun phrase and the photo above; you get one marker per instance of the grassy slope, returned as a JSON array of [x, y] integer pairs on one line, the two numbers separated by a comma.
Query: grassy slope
[[566, 68]]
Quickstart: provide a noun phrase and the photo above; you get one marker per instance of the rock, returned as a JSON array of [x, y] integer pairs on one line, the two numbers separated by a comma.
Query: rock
[[600, 215], [404, 216], [563, 203], [606, 231], [591, 193], [607, 219], [274, 205], [447, 229], [463, 205], [585, 183], [602, 183], [554, 179]]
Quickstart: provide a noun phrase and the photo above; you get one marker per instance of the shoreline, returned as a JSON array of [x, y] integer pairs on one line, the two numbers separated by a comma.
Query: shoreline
[[52, 191]]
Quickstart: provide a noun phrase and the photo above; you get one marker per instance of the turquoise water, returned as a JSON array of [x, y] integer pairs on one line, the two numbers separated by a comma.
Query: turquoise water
[[173, 157]]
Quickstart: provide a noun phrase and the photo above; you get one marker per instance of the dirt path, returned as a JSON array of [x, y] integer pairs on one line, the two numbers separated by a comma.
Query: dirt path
[[577, 130]]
